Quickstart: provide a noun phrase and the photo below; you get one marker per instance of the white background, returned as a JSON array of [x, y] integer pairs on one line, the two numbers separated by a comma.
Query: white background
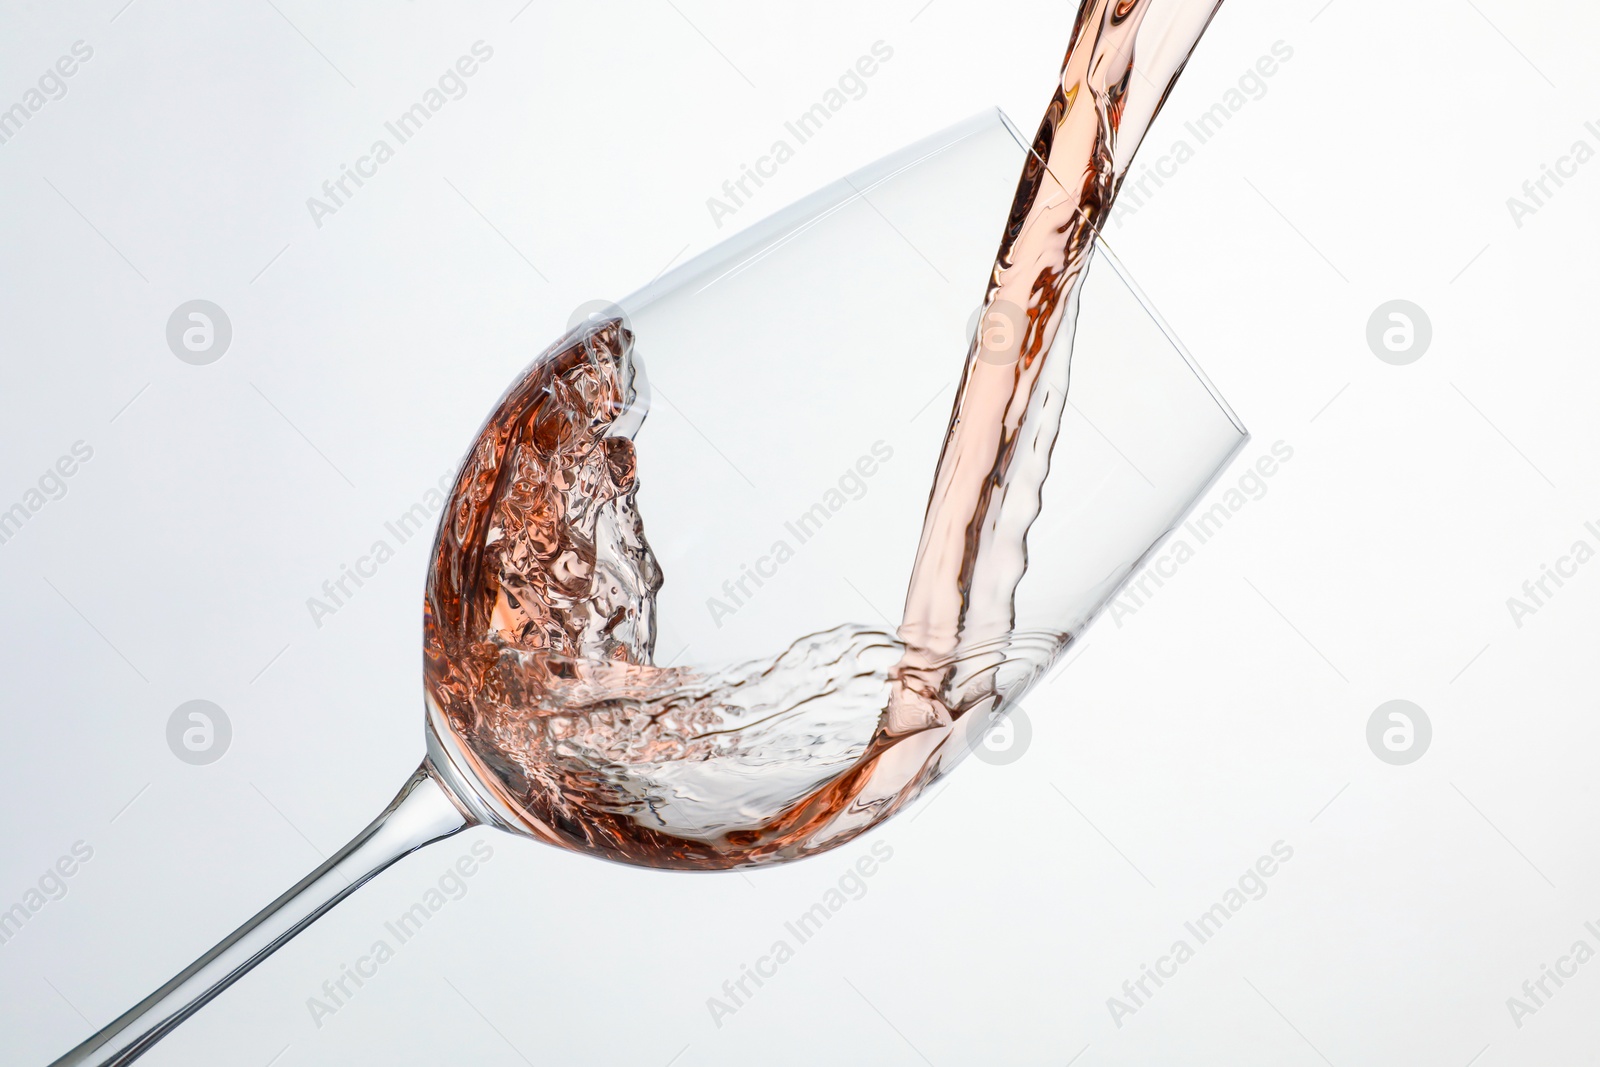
[[1227, 714]]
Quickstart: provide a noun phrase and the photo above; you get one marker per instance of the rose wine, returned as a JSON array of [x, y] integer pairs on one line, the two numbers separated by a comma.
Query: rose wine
[[541, 599]]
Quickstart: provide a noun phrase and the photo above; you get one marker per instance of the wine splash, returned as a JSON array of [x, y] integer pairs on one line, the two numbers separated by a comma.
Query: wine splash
[[549, 712], [541, 601]]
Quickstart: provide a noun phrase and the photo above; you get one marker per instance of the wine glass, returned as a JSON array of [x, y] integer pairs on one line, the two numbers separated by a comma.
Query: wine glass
[[663, 614]]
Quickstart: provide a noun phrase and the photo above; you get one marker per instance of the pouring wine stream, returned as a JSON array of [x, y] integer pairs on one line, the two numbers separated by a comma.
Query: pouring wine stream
[[573, 632]]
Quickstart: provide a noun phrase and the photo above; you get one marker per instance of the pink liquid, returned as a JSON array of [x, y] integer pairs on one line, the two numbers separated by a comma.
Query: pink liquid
[[540, 621]]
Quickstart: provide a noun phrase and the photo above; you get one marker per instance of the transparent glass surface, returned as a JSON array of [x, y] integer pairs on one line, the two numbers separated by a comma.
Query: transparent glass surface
[[791, 387], [776, 409], [778, 359]]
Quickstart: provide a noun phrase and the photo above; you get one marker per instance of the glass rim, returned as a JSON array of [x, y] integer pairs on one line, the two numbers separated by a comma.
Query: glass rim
[[746, 248], [1105, 246]]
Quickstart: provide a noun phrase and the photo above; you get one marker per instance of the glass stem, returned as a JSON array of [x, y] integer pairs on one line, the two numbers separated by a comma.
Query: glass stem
[[422, 813]]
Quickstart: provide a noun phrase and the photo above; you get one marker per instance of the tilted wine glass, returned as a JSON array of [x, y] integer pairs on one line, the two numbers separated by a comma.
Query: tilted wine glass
[[661, 608]]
